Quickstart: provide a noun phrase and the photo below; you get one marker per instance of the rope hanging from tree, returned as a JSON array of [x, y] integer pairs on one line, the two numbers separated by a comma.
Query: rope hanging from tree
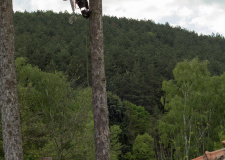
[[73, 17]]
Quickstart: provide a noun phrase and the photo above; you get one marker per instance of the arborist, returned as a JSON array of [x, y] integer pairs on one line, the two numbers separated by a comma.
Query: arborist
[[83, 5]]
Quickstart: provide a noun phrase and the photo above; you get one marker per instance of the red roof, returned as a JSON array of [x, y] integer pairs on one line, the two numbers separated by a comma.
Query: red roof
[[215, 155]]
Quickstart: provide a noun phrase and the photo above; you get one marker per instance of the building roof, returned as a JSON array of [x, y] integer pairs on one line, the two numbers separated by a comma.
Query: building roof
[[215, 155]]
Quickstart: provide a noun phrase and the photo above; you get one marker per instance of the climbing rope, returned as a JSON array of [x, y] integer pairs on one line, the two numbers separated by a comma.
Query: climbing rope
[[87, 51], [73, 17]]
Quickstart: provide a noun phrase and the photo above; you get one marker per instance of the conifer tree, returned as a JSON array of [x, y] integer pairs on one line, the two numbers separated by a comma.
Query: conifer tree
[[11, 130], [101, 117]]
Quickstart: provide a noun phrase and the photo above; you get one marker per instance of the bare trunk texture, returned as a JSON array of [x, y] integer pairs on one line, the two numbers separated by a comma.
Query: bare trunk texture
[[11, 130], [101, 117]]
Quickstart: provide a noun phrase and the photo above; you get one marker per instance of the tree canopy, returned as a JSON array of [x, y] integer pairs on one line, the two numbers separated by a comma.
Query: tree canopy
[[165, 88]]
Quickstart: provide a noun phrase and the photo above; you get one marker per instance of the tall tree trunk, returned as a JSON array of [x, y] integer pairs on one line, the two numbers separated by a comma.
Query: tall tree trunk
[[101, 119], [11, 130]]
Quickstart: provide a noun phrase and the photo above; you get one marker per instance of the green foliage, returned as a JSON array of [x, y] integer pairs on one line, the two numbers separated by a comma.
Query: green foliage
[[116, 109], [221, 135], [143, 147], [192, 104], [131, 119], [56, 121], [139, 57], [115, 145], [128, 156], [138, 119], [47, 40]]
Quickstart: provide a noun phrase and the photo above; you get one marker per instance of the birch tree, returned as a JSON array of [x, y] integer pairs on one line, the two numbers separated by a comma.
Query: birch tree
[[187, 101]]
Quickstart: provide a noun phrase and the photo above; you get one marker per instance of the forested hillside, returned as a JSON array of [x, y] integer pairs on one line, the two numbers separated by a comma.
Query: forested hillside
[[156, 76], [138, 54]]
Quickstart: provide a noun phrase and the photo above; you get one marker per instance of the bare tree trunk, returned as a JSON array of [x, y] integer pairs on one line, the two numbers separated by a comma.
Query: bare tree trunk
[[101, 119], [11, 130]]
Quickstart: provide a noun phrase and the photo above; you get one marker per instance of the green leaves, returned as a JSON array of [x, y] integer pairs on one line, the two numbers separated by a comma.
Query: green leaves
[[56, 120], [115, 145], [190, 71], [139, 119], [143, 147], [192, 101]]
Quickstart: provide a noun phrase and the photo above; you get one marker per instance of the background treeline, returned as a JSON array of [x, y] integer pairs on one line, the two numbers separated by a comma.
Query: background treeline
[[139, 56]]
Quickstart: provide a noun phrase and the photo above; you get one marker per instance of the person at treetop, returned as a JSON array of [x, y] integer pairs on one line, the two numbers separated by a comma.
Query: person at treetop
[[83, 5]]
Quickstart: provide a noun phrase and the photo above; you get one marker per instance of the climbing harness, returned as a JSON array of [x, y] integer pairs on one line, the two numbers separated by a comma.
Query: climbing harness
[[84, 8]]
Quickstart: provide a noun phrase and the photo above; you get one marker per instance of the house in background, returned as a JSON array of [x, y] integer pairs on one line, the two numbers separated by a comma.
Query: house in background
[[215, 155]]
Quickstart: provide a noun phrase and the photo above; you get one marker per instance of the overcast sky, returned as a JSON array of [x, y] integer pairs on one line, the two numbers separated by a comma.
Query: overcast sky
[[202, 16]]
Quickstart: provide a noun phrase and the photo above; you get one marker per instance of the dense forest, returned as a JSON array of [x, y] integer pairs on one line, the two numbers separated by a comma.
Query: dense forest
[[166, 88]]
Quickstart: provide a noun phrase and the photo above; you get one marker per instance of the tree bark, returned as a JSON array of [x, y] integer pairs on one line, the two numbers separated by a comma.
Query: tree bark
[[11, 130], [101, 118]]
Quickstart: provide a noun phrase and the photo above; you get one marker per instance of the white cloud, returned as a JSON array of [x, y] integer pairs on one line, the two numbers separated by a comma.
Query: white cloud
[[55, 5], [19, 5], [204, 16], [33, 5], [210, 17], [185, 12]]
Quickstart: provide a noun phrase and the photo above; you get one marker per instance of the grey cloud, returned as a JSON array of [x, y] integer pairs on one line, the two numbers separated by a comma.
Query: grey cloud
[[25, 4], [220, 3], [195, 3], [151, 8], [214, 1], [173, 19]]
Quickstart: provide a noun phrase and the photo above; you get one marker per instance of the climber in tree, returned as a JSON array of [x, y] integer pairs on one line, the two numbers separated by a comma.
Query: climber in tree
[[83, 5]]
